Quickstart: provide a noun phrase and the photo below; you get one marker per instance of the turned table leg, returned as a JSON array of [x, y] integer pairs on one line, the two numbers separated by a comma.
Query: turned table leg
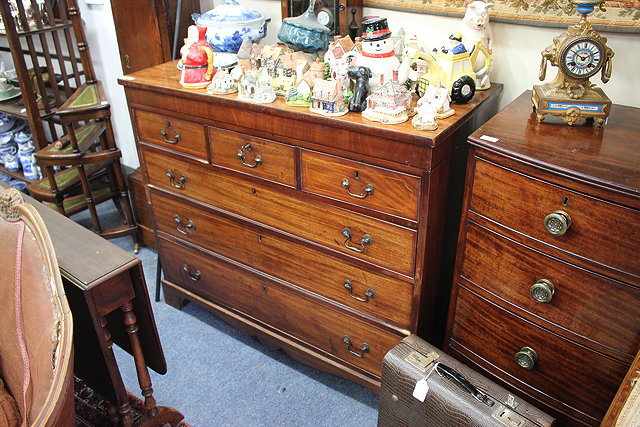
[[124, 413], [141, 367]]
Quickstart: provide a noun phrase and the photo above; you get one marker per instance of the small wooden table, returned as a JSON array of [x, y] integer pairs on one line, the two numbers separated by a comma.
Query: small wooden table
[[105, 286]]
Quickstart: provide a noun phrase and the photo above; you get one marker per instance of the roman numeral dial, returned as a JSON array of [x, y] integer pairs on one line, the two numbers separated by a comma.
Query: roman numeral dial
[[582, 58]]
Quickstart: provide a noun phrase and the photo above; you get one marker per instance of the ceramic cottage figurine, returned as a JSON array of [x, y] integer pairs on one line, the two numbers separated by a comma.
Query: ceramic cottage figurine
[[475, 27], [435, 103], [327, 98], [255, 86], [389, 104], [300, 95], [337, 59], [197, 60], [377, 52], [223, 83]]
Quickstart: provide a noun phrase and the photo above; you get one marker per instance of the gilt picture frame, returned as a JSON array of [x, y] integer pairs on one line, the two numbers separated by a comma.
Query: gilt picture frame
[[619, 16]]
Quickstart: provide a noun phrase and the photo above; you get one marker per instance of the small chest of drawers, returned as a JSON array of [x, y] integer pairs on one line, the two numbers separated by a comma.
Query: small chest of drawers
[[322, 236], [546, 294]]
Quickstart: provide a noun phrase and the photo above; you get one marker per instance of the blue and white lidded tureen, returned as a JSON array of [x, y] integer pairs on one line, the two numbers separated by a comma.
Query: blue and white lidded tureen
[[229, 23]]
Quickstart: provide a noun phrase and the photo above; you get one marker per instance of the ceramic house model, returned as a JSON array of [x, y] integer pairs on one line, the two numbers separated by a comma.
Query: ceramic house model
[[244, 54], [327, 98], [223, 83], [388, 104], [289, 68], [301, 96], [256, 86], [337, 57]]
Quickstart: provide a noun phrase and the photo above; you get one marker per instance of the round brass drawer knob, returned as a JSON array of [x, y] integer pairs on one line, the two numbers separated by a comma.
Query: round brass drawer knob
[[542, 291], [526, 358], [557, 223]]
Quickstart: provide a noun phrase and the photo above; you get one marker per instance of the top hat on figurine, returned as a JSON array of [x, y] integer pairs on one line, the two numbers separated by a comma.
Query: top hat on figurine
[[375, 29]]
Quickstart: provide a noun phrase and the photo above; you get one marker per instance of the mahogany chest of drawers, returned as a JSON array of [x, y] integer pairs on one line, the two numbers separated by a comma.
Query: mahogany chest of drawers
[[322, 236], [546, 293]]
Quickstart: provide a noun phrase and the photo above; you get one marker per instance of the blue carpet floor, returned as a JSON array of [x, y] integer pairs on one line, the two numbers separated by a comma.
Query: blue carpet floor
[[218, 376]]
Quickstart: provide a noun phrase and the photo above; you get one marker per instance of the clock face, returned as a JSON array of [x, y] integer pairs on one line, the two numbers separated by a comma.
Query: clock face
[[325, 17], [582, 58]]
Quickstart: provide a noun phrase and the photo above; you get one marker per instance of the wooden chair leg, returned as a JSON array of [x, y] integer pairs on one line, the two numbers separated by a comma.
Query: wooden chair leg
[[50, 174], [86, 188], [122, 187]]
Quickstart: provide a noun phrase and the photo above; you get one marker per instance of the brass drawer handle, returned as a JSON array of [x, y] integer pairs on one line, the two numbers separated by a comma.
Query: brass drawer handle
[[364, 348], [369, 294], [557, 223], [364, 242], [193, 276], [526, 358], [368, 189], [181, 181], [190, 225], [248, 147], [176, 137], [542, 291]]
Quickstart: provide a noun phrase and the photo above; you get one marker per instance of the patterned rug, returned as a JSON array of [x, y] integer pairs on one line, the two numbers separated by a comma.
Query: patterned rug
[[91, 409]]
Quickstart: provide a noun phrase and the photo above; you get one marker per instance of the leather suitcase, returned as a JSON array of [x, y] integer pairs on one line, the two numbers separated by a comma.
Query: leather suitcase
[[423, 386]]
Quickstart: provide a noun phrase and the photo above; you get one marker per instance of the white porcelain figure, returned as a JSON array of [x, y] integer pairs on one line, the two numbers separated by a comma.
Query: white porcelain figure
[[377, 52], [474, 27], [435, 103]]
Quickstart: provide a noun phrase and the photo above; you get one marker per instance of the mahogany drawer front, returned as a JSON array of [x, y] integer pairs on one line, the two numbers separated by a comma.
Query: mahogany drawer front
[[372, 240], [169, 132], [600, 231], [260, 157], [294, 262], [284, 309], [566, 372], [358, 183], [594, 307]]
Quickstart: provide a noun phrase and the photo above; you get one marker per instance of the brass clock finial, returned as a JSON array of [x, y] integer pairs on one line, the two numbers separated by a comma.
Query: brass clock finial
[[579, 54]]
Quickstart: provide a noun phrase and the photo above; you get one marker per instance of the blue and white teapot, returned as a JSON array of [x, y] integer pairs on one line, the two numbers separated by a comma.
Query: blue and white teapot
[[229, 23]]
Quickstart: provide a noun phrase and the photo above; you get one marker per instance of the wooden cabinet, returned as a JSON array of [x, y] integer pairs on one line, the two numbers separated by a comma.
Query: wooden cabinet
[[319, 235], [145, 30], [546, 293]]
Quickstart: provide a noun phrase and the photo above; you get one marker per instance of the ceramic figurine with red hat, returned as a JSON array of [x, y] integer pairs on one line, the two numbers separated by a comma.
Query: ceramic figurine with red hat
[[377, 53], [197, 60]]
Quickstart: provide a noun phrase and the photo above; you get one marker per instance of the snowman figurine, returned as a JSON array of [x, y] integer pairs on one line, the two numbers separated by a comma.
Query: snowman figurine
[[377, 52]]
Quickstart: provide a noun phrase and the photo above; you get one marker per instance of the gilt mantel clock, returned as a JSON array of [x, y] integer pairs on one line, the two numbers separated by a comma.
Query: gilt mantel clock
[[579, 54]]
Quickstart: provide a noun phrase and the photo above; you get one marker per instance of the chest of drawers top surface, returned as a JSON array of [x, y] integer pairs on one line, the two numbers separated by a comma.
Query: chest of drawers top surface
[[159, 87], [607, 157]]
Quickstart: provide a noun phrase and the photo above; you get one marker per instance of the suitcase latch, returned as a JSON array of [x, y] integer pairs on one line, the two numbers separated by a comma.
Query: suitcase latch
[[420, 360], [508, 417]]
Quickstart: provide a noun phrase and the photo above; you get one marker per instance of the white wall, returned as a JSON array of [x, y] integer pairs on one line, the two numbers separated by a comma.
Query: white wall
[[103, 45], [516, 50]]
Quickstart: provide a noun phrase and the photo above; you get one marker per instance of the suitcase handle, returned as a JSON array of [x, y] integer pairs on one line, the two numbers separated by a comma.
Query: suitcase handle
[[456, 377]]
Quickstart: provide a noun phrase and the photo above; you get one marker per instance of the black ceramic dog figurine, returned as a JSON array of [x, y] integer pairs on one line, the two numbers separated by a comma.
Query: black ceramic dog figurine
[[361, 75]]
